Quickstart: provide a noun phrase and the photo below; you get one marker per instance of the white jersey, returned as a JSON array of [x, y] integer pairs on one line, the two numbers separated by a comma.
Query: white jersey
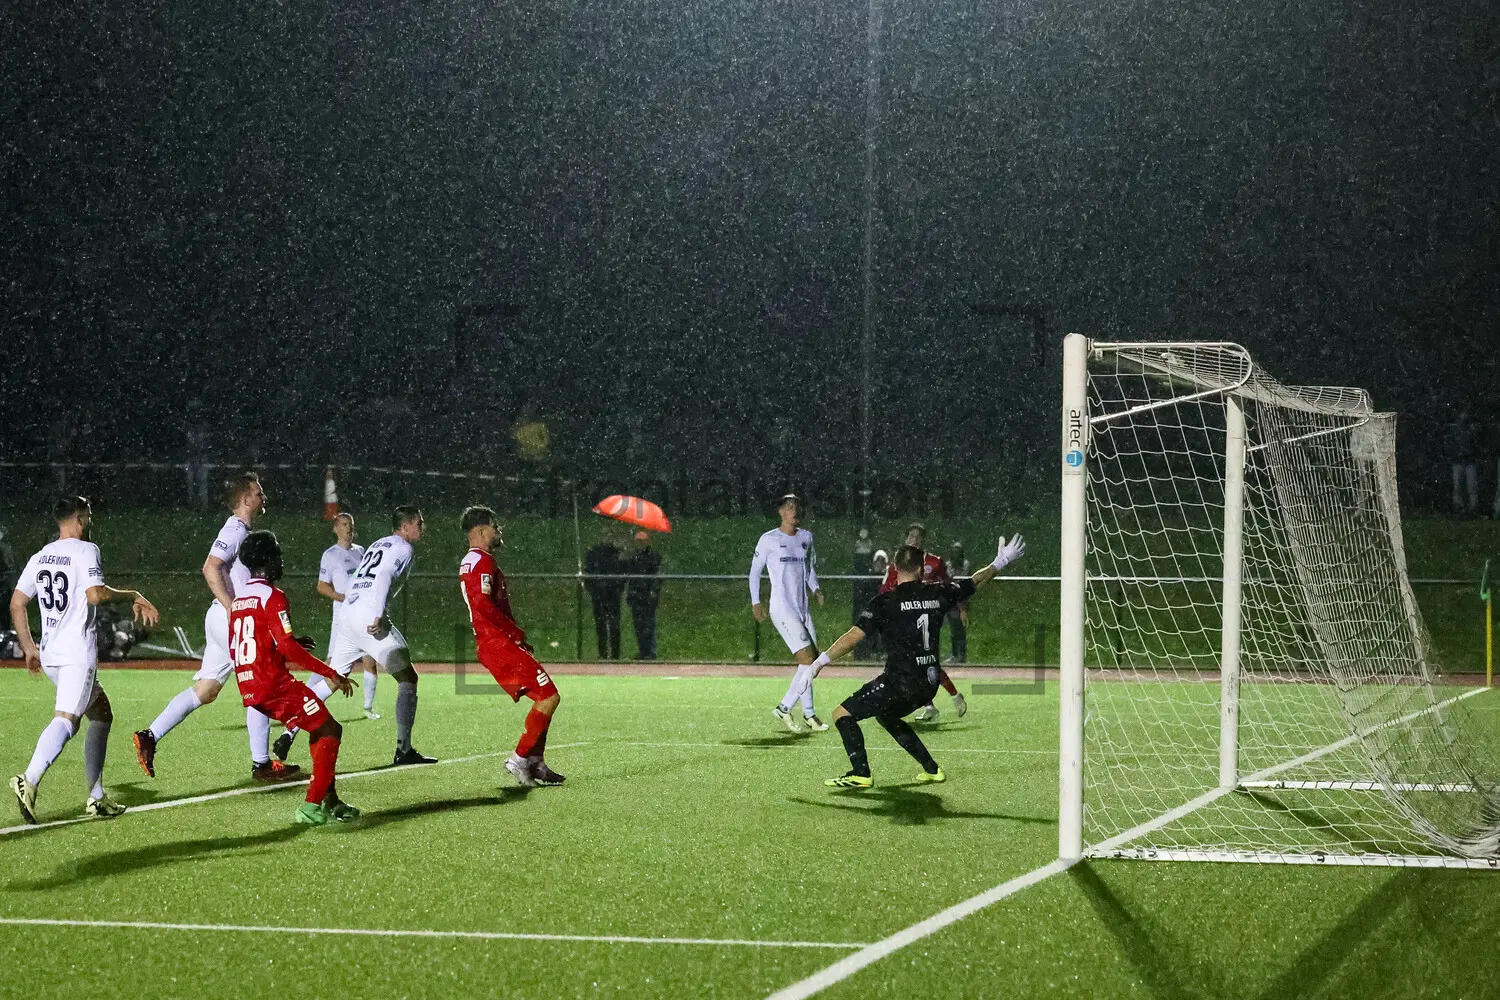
[[59, 577], [227, 548], [789, 559], [336, 567], [376, 580]]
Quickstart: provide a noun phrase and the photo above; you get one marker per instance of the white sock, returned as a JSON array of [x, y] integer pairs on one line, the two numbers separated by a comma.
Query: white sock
[[179, 708], [56, 736], [800, 689], [370, 678], [806, 673], [259, 726], [95, 745], [319, 686]]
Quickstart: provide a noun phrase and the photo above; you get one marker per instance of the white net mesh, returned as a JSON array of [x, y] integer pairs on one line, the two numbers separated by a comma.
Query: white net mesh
[[1350, 741]]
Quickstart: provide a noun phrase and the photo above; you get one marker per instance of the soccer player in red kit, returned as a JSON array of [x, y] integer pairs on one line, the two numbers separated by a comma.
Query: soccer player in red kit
[[934, 570], [502, 647], [260, 644]]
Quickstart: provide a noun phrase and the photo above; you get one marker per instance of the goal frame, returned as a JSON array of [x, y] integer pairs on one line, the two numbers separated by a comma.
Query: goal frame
[[1074, 465]]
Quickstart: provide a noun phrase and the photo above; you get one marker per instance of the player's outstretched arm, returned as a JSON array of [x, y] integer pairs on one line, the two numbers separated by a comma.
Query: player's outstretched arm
[[143, 610], [21, 622], [842, 646], [326, 589], [1009, 552]]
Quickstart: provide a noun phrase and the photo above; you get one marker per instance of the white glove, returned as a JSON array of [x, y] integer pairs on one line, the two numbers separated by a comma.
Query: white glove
[[821, 662], [1009, 551]]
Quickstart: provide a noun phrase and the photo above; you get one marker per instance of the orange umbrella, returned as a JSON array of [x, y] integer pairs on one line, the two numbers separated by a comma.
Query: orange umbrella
[[633, 510]]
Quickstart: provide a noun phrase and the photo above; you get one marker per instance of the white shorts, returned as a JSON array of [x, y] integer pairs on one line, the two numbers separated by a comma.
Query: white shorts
[[217, 664], [347, 645], [796, 631], [77, 687]]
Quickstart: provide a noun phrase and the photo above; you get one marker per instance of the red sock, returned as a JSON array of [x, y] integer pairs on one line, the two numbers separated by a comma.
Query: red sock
[[325, 758], [534, 739], [946, 681]]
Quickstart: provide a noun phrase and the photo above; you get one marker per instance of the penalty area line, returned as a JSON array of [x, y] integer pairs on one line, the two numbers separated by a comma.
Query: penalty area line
[[192, 800], [383, 932]]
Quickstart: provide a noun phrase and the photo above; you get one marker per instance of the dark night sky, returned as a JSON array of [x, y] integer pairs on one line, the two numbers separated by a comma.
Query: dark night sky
[[363, 231]]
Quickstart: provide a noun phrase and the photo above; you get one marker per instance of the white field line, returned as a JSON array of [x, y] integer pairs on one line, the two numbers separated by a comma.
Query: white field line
[[803, 746], [380, 932], [256, 789], [871, 953], [848, 966]]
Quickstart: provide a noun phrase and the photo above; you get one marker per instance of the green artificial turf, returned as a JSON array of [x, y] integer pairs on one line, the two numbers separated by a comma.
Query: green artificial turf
[[686, 814]]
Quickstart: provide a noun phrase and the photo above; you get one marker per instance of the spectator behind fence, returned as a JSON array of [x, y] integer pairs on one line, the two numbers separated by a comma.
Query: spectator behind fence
[[958, 615], [1462, 445], [642, 594], [864, 592], [604, 560]]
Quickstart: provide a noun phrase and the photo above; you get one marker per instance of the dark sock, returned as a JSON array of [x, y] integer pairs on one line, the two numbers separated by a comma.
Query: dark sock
[[909, 740], [854, 745], [946, 681]]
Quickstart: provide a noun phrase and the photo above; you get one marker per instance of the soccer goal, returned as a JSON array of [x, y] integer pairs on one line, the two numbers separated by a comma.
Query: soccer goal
[[1245, 673]]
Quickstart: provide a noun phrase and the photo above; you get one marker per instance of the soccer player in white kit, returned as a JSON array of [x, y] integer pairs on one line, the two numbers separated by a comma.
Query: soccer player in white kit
[[334, 570], [365, 627], [786, 552], [224, 573], [67, 582]]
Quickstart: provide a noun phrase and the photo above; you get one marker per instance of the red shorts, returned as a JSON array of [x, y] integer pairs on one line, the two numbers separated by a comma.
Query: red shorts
[[516, 670], [294, 705]]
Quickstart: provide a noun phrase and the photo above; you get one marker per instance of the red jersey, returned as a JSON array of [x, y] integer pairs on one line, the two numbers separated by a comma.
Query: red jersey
[[261, 643], [934, 570], [488, 599]]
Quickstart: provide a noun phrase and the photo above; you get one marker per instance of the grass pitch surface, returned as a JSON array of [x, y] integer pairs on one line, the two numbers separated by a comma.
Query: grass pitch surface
[[687, 815]]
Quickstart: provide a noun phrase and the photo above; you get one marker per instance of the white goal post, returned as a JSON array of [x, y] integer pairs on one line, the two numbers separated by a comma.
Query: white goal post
[[1245, 673]]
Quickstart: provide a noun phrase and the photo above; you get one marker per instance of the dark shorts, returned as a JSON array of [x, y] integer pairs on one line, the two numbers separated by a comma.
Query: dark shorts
[[888, 695]]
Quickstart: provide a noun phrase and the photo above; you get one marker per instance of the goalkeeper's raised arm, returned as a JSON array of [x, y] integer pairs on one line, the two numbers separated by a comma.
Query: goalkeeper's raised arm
[[1009, 552]]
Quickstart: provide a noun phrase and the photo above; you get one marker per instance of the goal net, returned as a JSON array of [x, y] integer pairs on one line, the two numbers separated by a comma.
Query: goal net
[[1246, 674]]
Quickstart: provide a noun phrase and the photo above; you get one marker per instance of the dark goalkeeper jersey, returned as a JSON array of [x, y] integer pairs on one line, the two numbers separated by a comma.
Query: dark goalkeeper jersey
[[910, 620]]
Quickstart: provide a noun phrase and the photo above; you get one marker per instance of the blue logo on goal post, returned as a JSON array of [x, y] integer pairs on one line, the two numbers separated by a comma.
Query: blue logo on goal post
[[1074, 458]]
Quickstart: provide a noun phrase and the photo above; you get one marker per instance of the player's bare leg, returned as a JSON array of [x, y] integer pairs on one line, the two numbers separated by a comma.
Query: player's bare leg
[[527, 764], [801, 690], [401, 672]]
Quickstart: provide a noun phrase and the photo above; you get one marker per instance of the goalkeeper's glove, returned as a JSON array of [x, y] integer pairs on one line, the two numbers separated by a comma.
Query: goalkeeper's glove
[[307, 642], [821, 662], [1009, 551]]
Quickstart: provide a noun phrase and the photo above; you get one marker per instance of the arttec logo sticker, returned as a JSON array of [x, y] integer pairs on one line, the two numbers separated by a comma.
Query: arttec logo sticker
[[1073, 443]]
